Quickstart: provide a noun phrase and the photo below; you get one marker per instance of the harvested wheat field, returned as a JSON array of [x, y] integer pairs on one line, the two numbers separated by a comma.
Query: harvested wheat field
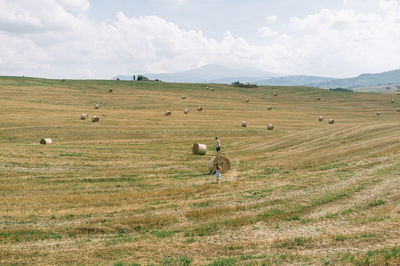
[[128, 190]]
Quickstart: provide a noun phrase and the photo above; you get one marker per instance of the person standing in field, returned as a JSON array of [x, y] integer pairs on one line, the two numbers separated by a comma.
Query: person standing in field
[[218, 145], [218, 171]]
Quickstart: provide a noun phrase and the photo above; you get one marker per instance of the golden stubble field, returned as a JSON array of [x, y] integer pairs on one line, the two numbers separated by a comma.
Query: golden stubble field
[[128, 191]]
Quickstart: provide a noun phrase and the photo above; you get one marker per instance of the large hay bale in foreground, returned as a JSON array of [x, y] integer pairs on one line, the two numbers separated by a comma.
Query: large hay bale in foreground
[[270, 127], [186, 111], [244, 124], [84, 116], [95, 119], [168, 112], [199, 149], [221, 160], [97, 106], [269, 108], [46, 141], [321, 118], [331, 121], [200, 108]]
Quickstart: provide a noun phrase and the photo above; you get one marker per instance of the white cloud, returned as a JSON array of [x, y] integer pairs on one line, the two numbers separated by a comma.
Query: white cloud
[[56, 39], [266, 32], [272, 18]]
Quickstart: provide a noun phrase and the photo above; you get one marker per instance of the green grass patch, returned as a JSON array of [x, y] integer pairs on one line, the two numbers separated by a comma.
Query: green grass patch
[[223, 262], [376, 203], [163, 234]]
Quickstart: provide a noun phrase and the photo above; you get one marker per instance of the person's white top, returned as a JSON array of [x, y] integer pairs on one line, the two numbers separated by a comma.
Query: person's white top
[[218, 174], [218, 143]]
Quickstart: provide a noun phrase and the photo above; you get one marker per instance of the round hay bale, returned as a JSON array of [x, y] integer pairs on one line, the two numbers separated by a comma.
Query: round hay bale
[[211, 89], [186, 111], [110, 90], [378, 113], [221, 160], [331, 121], [393, 101], [275, 94], [321, 118], [269, 108], [199, 149], [244, 124], [117, 79], [97, 106], [46, 141], [398, 110], [270, 127], [318, 98], [168, 112], [183, 97], [200, 108], [84, 116], [247, 100], [95, 119]]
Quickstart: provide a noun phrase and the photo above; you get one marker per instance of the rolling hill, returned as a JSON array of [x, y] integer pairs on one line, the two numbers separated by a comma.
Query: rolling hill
[[226, 75]]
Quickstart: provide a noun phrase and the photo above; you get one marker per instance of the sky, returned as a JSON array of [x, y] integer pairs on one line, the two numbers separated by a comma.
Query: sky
[[103, 38]]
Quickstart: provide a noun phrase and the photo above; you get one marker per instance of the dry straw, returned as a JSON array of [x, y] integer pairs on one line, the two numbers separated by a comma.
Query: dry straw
[[199, 149], [84, 116], [46, 141], [331, 121], [270, 127], [223, 161], [200, 108], [244, 124], [321, 118], [168, 112], [95, 119]]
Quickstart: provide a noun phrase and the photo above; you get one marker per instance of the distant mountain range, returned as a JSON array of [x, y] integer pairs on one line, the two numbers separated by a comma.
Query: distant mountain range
[[210, 74], [226, 75]]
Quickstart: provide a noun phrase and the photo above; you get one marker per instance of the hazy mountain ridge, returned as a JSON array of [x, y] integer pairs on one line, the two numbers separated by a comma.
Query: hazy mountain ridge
[[226, 75], [364, 80], [311, 81], [207, 74]]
